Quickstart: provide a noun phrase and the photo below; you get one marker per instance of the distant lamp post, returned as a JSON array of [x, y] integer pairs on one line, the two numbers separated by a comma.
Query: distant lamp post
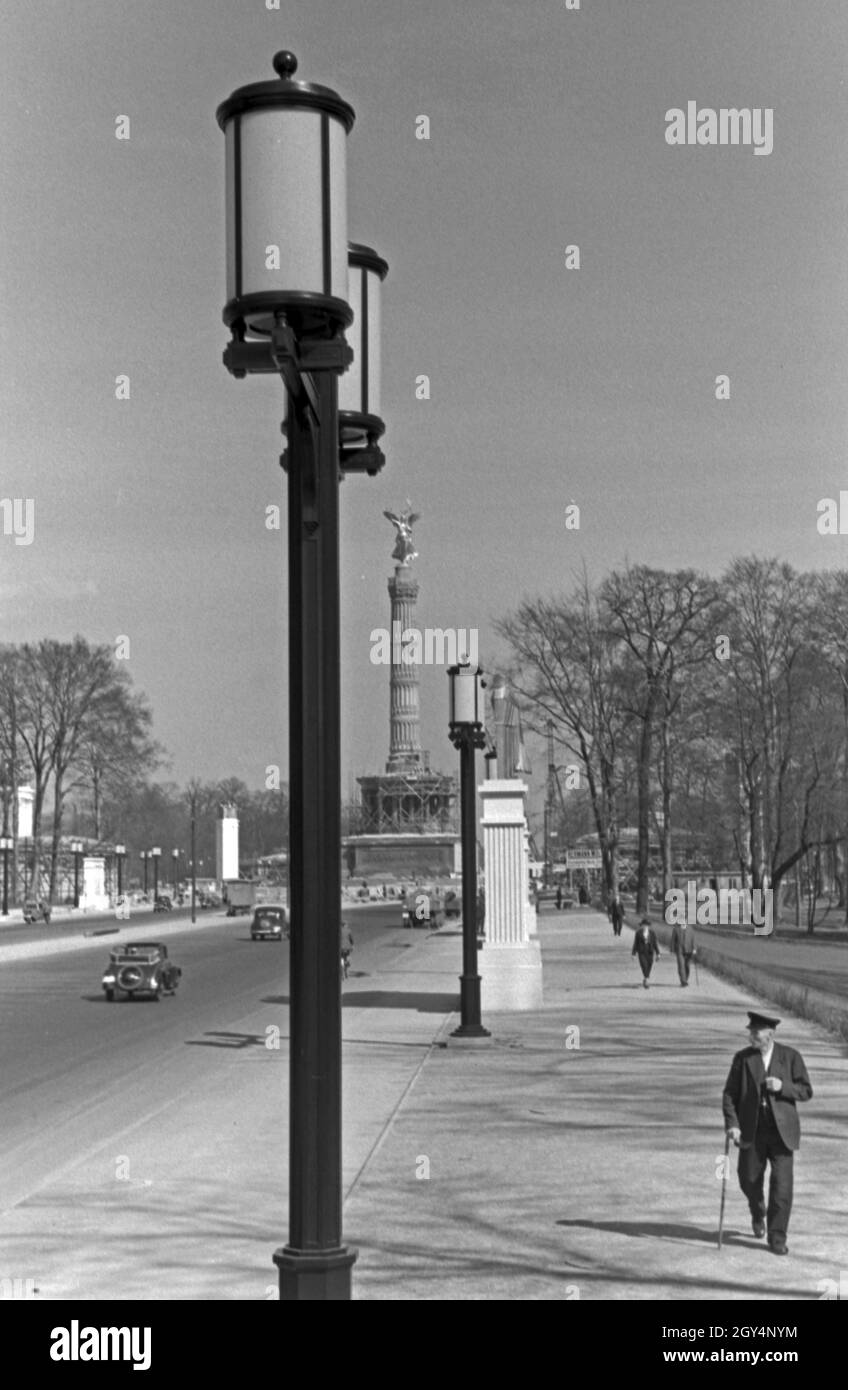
[[154, 855], [175, 856], [467, 734], [76, 847], [120, 851], [288, 287], [144, 857], [6, 844]]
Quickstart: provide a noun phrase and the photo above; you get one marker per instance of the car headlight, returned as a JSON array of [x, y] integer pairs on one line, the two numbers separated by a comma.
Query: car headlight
[[108, 979]]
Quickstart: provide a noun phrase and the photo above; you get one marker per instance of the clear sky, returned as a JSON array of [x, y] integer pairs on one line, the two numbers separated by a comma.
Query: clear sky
[[549, 385]]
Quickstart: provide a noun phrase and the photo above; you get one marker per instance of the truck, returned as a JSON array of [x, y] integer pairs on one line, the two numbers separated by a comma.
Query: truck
[[240, 895]]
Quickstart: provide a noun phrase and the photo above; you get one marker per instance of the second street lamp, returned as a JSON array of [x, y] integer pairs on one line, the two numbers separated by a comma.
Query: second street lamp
[[467, 734], [175, 856], [154, 855], [144, 857], [287, 307]]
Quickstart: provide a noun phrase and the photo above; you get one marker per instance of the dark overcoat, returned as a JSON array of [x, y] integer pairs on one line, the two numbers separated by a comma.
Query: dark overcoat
[[743, 1089], [645, 947]]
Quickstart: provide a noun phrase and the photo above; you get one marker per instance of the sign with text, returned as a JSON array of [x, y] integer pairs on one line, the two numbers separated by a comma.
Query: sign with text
[[583, 859]]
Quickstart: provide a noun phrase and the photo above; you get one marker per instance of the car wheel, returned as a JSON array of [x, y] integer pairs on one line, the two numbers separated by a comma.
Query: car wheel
[[110, 995]]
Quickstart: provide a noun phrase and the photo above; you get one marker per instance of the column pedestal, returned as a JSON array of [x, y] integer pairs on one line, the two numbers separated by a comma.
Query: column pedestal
[[511, 963]]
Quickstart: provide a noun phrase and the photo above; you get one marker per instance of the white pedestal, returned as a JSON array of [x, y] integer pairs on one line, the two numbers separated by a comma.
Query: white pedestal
[[94, 897], [510, 963]]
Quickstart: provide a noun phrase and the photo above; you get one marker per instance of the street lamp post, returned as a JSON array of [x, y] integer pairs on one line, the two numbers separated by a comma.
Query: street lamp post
[[144, 857], [154, 855], [76, 846], [287, 307], [467, 734], [175, 856], [120, 851], [6, 844]]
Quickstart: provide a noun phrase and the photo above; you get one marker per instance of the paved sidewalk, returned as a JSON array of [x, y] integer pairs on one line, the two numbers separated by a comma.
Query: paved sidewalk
[[528, 1169], [538, 1170]]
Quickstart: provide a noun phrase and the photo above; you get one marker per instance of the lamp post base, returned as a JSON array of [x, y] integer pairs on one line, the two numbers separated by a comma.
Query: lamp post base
[[474, 1034], [316, 1276], [469, 998]]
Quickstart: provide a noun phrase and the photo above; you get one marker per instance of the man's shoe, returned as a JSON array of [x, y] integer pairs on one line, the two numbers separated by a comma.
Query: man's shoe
[[778, 1247], [759, 1228]]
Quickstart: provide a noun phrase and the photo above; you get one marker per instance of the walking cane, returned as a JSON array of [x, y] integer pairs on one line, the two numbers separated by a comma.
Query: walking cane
[[695, 963], [724, 1167]]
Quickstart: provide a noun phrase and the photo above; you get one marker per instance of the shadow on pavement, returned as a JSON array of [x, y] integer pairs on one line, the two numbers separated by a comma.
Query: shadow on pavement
[[230, 1040], [423, 1003], [660, 1230]]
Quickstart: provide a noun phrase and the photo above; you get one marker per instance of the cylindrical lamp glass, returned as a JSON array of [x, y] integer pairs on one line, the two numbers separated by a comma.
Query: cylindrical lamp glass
[[360, 386], [286, 203], [465, 703]]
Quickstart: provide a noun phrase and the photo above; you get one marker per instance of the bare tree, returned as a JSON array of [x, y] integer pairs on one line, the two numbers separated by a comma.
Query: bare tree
[[660, 619], [566, 673]]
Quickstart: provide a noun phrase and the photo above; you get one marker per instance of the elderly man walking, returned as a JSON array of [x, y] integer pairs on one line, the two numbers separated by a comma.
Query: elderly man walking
[[763, 1085], [683, 947], [646, 947]]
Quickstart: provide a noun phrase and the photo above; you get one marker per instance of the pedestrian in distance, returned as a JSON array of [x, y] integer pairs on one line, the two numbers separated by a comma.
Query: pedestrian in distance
[[646, 947], [765, 1081], [559, 897], [346, 948], [616, 915], [583, 895], [683, 947]]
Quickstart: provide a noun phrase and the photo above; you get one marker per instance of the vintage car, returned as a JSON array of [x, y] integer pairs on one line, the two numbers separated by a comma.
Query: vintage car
[[163, 903], [36, 910], [139, 969], [424, 907], [270, 922]]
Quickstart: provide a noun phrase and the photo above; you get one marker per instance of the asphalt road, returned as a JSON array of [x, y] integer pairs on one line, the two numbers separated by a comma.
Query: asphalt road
[[80, 1074]]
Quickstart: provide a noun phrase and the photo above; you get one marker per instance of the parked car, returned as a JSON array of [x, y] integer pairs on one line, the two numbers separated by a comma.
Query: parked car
[[36, 910], [162, 903], [138, 969], [207, 899], [270, 922]]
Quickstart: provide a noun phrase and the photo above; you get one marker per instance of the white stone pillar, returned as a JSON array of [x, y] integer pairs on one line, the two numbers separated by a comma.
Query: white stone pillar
[[26, 802], [227, 845], [94, 897], [510, 963]]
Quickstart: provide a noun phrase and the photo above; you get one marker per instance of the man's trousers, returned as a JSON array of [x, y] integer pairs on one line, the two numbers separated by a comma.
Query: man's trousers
[[768, 1147], [684, 965]]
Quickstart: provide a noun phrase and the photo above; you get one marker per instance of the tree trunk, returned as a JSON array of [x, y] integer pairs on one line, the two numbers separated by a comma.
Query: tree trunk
[[96, 778], [58, 807], [644, 810], [666, 806]]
